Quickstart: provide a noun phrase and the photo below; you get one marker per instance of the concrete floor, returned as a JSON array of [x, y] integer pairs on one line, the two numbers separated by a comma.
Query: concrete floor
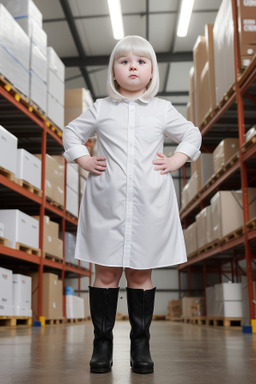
[[183, 354]]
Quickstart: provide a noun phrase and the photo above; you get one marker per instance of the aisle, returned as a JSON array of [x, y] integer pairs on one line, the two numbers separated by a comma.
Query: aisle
[[183, 354]]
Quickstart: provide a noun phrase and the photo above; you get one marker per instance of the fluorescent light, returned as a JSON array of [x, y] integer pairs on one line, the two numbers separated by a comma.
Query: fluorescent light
[[185, 16], [116, 18]]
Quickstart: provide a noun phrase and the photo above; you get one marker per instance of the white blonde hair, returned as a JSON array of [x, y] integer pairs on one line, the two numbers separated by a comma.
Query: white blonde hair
[[140, 47]]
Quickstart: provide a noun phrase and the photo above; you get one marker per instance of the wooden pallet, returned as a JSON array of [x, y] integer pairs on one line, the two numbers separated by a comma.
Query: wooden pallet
[[9, 87], [248, 144], [251, 225], [226, 97], [6, 173], [27, 249], [29, 187], [4, 241], [54, 203], [53, 258], [208, 247], [159, 317], [172, 318], [223, 321], [75, 321], [54, 321], [13, 321], [71, 215], [232, 235]]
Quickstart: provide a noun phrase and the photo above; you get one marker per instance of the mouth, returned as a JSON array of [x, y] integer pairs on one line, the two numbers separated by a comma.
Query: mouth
[[133, 76]]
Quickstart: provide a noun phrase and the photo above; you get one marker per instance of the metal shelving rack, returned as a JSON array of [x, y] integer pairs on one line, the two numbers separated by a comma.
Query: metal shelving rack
[[231, 119], [38, 135]]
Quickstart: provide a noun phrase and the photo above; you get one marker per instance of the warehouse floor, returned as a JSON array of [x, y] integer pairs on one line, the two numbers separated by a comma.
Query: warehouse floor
[[183, 353]]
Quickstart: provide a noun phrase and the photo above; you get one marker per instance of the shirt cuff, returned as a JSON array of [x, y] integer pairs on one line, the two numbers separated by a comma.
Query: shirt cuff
[[76, 151], [190, 150]]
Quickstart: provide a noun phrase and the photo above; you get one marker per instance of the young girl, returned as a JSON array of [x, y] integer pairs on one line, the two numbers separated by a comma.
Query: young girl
[[129, 217]]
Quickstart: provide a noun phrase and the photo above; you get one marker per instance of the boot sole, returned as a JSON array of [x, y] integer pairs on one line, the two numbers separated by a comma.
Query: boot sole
[[101, 369], [142, 370]]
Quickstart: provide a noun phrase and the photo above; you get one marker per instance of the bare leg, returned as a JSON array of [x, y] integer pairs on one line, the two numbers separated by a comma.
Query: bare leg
[[139, 279], [107, 277]]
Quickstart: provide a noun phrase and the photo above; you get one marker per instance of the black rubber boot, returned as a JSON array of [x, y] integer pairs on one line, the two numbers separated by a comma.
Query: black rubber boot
[[140, 308], [103, 304]]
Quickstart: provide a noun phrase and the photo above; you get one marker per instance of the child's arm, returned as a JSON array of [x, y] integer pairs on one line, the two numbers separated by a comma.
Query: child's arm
[[170, 164], [94, 164]]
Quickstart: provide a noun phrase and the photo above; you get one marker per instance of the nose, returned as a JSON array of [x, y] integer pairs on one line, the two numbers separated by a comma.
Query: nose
[[133, 67]]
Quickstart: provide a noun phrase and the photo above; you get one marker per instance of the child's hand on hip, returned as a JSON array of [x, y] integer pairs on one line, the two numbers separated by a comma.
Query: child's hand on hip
[[94, 164], [169, 164]]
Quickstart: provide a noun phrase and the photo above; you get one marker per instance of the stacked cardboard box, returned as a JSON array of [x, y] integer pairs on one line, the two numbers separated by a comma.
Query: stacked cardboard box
[[204, 227], [247, 30], [54, 178], [56, 88], [75, 307], [8, 149], [14, 52], [76, 102], [20, 228], [28, 168], [192, 107], [52, 300], [174, 308], [53, 246], [188, 304], [204, 168], [224, 62], [226, 149], [190, 235], [228, 300]]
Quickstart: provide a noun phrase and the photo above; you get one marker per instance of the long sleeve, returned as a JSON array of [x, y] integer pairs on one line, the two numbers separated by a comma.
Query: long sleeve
[[78, 131], [184, 133]]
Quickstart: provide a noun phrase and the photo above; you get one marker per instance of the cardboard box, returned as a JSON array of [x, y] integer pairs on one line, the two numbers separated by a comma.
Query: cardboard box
[[55, 111], [8, 150], [56, 87], [38, 91], [200, 59], [20, 228], [247, 25], [223, 152], [211, 73], [52, 304], [227, 214], [224, 62], [55, 64], [251, 192], [28, 168], [21, 295], [188, 302], [174, 308], [190, 235], [209, 224], [76, 102], [192, 95], [204, 168], [201, 223], [193, 186], [6, 308], [24, 10], [75, 307], [52, 245], [228, 292]]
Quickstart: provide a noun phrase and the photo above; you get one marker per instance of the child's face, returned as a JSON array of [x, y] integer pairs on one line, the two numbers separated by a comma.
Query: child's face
[[133, 73]]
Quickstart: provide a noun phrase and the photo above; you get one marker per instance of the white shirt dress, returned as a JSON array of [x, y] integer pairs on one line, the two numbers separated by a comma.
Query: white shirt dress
[[129, 214]]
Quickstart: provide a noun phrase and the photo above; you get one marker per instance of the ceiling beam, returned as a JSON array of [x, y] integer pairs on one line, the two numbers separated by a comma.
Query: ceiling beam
[[72, 26], [162, 57]]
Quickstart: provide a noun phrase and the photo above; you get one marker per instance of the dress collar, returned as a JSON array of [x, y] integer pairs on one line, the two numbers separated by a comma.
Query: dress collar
[[127, 100]]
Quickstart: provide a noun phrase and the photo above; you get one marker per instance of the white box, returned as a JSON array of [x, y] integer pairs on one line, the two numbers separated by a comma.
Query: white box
[[38, 91], [55, 64], [28, 168], [6, 308], [56, 87], [228, 292], [20, 228], [55, 111], [71, 201], [14, 52], [233, 309], [70, 244], [72, 178], [1, 230], [21, 295], [8, 150], [23, 10], [38, 63]]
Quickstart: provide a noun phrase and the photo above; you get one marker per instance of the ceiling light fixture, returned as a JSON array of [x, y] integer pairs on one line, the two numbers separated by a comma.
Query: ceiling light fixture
[[185, 16], [116, 19]]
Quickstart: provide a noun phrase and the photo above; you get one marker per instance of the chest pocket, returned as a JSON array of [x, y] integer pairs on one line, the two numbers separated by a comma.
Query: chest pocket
[[150, 129]]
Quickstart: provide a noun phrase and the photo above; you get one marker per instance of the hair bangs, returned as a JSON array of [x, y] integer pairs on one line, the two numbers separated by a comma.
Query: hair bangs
[[135, 45]]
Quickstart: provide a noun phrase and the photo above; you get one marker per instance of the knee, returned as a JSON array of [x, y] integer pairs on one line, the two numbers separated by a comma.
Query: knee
[[108, 277], [138, 278]]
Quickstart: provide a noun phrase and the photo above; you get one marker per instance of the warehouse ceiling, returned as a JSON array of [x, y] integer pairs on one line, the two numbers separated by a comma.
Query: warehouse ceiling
[[80, 32]]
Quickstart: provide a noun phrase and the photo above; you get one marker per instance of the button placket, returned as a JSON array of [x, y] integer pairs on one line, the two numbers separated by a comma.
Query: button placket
[[129, 185]]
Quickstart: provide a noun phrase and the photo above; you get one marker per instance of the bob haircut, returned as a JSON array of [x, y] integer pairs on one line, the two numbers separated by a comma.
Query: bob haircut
[[140, 47]]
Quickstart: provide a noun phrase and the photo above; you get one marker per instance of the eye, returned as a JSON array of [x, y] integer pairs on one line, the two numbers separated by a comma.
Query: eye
[[142, 61], [124, 61]]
